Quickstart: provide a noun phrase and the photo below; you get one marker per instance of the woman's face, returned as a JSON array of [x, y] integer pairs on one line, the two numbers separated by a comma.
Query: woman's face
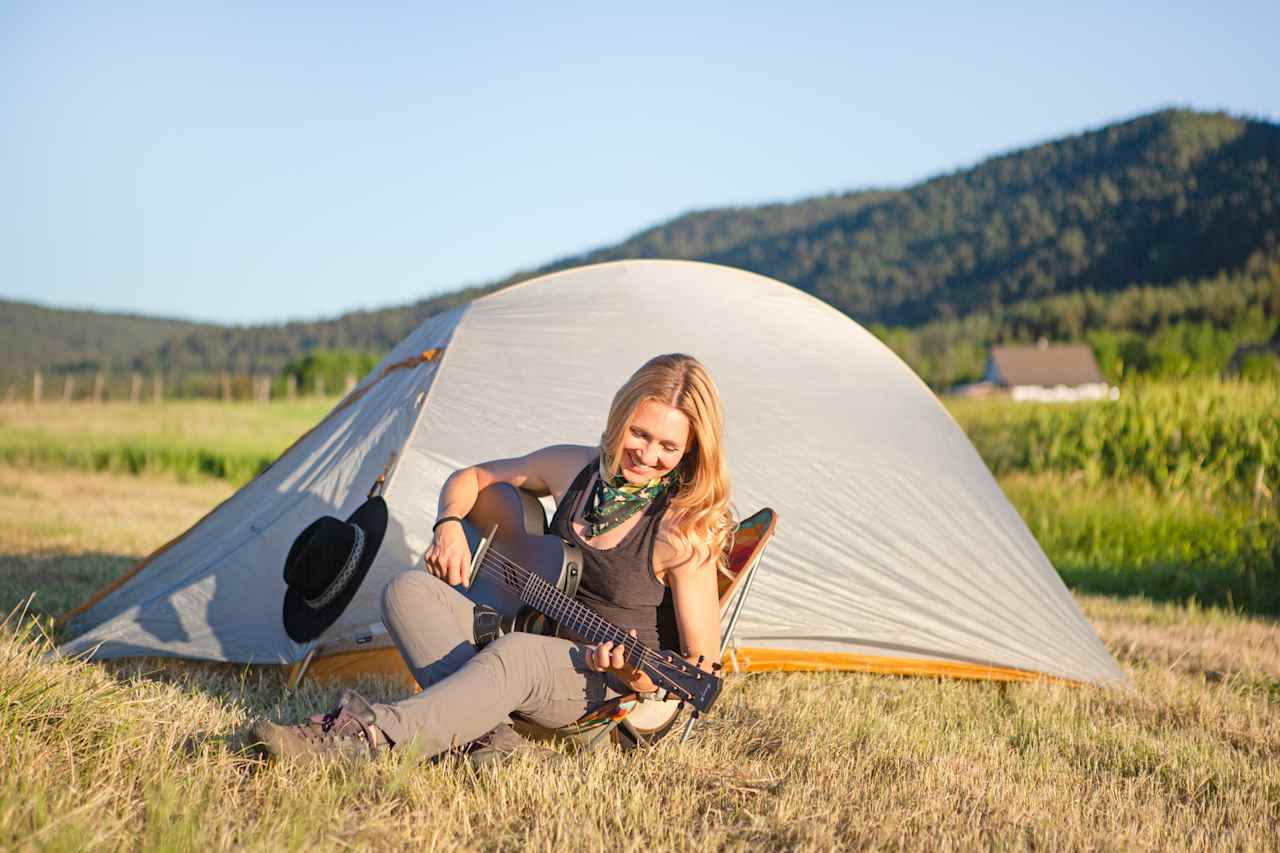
[[655, 441]]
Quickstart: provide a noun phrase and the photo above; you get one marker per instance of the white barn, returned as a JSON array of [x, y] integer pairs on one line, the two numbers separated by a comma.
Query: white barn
[[1048, 373]]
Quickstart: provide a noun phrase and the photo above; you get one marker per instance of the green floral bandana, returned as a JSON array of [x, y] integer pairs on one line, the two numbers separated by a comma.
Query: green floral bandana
[[613, 501]]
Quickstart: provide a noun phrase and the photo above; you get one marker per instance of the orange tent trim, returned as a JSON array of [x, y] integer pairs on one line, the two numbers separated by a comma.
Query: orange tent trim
[[793, 660], [386, 661]]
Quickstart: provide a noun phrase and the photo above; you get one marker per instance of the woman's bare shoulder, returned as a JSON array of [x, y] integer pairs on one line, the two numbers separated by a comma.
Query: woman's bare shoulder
[[673, 553], [561, 463], [549, 470]]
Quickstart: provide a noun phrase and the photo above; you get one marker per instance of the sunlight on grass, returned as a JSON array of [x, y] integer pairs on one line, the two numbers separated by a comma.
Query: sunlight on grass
[[1205, 436], [154, 753], [143, 754], [190, 438], [1125, 538]]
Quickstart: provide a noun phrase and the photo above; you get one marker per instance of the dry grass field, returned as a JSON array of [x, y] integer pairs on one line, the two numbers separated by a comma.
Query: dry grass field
[[150, 755]]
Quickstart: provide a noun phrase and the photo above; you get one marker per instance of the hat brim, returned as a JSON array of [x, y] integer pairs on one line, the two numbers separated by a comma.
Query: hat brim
[[304, 623]]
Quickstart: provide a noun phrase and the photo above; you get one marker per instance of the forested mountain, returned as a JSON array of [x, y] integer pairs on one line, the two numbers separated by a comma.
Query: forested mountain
[[1176, 199], [1174, 195], [66, 341]]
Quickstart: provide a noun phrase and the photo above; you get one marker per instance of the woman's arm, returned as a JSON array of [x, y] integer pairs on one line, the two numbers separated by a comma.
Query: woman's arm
[[546, 471], [696, 598]]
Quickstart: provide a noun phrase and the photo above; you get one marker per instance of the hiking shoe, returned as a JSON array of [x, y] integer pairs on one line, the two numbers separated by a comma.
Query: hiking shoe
[[501, 744], [348, 731]]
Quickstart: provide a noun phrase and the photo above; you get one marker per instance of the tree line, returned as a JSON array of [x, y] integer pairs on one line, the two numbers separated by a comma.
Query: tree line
[[1189, 329]]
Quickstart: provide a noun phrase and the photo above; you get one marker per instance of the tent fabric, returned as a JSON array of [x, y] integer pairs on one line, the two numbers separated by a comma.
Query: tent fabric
[[895, 543]]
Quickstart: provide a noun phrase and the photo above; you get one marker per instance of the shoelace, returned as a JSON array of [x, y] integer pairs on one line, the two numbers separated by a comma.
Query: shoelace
[[333, 724]]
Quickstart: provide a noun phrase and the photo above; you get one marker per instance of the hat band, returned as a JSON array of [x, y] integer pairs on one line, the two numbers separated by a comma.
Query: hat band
[[334, 589]]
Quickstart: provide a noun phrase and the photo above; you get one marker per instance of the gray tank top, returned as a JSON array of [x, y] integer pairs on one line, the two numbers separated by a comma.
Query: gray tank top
[[618, 582]]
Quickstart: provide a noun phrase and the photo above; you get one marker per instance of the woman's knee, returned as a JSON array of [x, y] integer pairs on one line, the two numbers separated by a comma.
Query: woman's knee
[[410, 592], [516, 646], [541, 672], [533, 653]]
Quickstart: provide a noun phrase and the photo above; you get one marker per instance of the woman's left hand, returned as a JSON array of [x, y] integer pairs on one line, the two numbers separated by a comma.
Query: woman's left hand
[[611, 657]]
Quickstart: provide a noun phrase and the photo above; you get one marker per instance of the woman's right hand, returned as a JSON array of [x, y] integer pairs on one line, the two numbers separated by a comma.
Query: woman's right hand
[[448, 555]]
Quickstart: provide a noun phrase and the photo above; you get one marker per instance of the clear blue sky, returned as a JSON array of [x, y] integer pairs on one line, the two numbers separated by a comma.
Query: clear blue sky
[[247, 164]]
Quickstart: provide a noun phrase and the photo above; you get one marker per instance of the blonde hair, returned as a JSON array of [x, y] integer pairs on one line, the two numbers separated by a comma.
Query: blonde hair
[[700, 521]]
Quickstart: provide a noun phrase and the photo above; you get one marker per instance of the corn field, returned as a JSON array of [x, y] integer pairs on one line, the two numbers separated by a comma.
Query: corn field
[[1210, 438]]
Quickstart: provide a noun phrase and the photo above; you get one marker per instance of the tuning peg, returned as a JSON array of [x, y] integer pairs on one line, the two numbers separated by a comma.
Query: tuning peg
[[717, 666]]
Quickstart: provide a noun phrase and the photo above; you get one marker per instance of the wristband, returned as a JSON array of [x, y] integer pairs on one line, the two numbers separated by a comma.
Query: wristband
[[440, 521]]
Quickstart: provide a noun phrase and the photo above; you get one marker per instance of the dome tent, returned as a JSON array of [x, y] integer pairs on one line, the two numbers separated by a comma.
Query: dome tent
[[896, 552]]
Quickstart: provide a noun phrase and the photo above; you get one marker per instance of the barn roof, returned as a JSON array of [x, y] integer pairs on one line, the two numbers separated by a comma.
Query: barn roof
[[1046, 364]]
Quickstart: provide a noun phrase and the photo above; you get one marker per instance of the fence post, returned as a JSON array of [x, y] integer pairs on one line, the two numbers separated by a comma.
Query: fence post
[[226, 386], [319, 385], [157, 388], [291, 386], [37, 387], [351, 384], [135, 388], [99, 385], [68, 388]]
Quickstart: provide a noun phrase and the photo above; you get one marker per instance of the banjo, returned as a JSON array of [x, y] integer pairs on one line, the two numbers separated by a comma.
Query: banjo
[[527, 577]]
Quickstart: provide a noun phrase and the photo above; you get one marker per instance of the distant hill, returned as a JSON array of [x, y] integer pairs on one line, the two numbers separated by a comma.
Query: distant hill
[[1157, 201], [1174, 195], [65, 341]]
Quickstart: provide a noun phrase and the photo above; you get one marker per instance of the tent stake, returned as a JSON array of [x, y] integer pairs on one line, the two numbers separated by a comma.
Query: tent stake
[[302, 669]]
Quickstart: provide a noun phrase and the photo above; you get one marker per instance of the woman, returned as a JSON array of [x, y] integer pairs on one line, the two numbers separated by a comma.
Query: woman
[[650, 508]]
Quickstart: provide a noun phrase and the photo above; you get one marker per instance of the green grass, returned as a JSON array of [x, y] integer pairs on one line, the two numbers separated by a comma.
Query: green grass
[[190, 439], [1124, 538]]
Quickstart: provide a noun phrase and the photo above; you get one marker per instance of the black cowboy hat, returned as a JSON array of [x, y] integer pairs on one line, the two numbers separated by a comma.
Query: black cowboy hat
[[326, 565]]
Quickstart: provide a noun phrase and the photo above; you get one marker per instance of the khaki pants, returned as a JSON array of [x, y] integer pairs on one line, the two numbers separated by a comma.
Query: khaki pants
[[465, 692]]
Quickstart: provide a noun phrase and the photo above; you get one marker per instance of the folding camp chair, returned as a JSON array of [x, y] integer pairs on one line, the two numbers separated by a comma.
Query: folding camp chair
[[635, 719]]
